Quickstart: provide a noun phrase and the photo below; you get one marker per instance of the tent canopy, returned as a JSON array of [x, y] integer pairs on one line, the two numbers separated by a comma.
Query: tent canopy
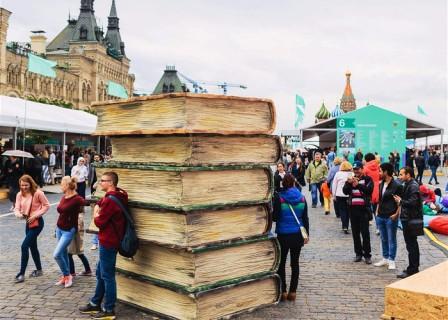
[[20, 113]]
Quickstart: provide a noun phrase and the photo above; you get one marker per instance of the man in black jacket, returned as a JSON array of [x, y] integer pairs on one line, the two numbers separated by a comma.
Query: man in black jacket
[[359, 189], [411, 208], [387, 216], [433, 163]]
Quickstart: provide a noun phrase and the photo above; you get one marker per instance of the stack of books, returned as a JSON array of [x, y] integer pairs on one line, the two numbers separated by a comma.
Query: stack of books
[[196, 169]]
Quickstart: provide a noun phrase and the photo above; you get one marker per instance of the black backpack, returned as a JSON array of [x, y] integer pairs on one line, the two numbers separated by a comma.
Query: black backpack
[[129, 243]]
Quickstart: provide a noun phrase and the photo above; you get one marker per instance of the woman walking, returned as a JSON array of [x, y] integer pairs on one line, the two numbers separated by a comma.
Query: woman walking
[[291, 214], [345, 172], [298, 169], [31, 204], [80, 172], [278, 177], [67, 224]]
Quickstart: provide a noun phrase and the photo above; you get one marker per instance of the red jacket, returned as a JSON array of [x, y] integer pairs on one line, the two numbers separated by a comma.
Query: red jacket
[[372, 169], [111, 221]]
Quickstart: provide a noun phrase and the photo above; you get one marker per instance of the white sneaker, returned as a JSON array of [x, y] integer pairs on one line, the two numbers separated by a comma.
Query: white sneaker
[[377, 232], [94, 247], [68, 281], [60, 282], [392, 265], [382, 262]]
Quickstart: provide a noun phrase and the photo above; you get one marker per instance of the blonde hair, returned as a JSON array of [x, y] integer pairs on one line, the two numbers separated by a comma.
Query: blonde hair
[[346, 166], [337, 161], [70, 181]]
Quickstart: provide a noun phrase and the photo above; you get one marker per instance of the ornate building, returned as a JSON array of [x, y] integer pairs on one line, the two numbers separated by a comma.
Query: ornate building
[[86, 60], [348, 102]]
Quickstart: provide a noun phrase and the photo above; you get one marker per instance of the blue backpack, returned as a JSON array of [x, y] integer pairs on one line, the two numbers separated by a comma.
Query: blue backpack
[[129, 244]]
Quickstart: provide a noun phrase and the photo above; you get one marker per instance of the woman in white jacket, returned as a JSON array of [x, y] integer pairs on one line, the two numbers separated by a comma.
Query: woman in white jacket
[[80, 172], [345, 171]]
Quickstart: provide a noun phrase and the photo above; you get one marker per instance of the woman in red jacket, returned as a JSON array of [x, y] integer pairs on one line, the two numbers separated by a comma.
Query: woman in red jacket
[[31, 204]]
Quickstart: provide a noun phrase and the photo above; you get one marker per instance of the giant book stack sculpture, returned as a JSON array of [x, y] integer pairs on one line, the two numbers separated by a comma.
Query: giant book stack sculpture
[[196, 169]]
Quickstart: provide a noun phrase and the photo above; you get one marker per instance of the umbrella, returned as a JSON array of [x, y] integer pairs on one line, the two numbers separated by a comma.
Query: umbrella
[[17, 153]]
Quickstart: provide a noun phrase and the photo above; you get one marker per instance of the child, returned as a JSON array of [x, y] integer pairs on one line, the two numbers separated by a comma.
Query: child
[[325, 189]]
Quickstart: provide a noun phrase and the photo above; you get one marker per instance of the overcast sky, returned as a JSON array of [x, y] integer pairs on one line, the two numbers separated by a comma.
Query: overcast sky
[[396, 50]]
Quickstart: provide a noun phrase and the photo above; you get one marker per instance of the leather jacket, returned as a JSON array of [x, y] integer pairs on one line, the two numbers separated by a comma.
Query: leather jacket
[[411, 202]]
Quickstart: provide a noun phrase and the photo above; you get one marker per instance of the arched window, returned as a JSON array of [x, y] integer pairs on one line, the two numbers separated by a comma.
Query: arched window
[[83, 33], [171, 87], [165, 88], [84, 93]]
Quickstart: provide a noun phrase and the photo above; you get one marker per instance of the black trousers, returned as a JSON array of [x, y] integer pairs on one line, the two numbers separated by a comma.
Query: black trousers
[[290, 243], [413, 250], [84, 261], [419, 174], [341, 203], [359, 219]]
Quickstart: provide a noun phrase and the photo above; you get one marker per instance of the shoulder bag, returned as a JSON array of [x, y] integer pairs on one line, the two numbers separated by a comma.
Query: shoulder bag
[[302, 228]]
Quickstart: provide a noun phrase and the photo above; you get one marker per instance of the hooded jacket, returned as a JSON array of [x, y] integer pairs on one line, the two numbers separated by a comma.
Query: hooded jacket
[[286, 223], [372, 169], [111, 221]]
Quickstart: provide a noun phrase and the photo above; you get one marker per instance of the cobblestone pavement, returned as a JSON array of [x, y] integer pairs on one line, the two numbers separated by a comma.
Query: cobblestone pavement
[[330, 286]]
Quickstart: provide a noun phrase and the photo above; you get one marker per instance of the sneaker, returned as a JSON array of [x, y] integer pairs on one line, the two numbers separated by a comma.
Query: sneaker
[[94, 247], [392, 265], [68, 281], [345, 230], [86, 273], [368, 260], [90, 309], [327, 213], [61, 281], [382, 262], [19, 278], [357, 259], [104, 315], [36, 273], [313, 206], [377, 232]]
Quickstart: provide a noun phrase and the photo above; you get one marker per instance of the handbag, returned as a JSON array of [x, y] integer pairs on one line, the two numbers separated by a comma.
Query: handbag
[[35, 223], [302, 228]]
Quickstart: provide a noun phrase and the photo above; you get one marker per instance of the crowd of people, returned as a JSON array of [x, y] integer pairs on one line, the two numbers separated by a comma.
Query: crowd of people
[[363, 192]]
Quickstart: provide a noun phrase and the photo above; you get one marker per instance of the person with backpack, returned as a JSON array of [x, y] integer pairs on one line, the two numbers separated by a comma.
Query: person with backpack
[[110, 219]]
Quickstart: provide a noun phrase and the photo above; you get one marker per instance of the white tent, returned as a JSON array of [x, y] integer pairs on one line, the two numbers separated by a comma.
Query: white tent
[[20, 113]]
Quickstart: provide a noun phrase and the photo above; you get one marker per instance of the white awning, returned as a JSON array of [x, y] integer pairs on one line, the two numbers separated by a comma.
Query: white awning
[[20, 113]]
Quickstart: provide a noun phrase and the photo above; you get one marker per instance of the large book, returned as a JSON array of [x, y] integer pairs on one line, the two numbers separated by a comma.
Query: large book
[[189, 188], [202, 268], [200, 227], [173, 303], [183, 113], [197, 150]]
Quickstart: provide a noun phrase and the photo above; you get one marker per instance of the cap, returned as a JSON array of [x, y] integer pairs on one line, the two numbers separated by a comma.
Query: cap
[[357, 165]]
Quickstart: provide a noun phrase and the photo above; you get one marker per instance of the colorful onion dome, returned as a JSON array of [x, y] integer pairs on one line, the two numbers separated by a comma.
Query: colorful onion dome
[[337, 111], [323, 113]]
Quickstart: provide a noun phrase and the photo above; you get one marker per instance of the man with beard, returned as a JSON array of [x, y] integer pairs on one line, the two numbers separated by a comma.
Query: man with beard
[[411, 208]]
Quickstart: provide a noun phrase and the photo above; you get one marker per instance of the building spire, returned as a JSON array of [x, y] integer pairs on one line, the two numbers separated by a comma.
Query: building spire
[[113, 37], [348, 102]]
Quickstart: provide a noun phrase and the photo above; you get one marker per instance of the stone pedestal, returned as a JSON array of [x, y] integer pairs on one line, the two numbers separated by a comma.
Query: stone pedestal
[[421, 296]]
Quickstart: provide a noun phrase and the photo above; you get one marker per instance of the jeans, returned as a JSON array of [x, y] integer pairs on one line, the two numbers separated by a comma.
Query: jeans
[[388, 232], [95, 239], [30, 243], [315, 187], [289, 243], [412, 248], [106, 286], [342, 205], [433, 174], [360, 227], [60, 254]]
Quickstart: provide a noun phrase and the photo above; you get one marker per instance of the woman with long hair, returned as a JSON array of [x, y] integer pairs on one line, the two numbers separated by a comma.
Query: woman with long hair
[[31, 205], [69, 207], [297, 169], [291, 215]]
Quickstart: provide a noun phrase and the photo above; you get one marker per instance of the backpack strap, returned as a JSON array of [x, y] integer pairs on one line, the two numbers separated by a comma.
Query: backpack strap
[[123, 209]]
